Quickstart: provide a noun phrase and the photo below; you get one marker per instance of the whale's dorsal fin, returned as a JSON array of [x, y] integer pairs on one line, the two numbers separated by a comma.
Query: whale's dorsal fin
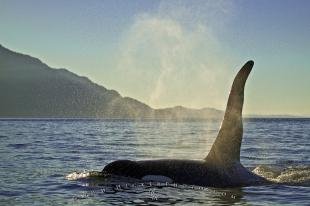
[[225, 151]]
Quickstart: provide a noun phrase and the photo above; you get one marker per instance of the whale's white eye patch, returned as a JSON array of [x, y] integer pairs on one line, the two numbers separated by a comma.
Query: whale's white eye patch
[[157, 178]]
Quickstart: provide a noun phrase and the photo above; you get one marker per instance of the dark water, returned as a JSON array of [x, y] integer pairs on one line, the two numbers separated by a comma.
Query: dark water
[[46, 162]]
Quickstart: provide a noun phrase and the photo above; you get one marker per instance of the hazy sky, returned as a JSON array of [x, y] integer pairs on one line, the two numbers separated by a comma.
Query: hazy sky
[[168, 53]]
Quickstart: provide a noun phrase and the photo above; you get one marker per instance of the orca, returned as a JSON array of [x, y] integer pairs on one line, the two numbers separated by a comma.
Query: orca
[[220, 168]]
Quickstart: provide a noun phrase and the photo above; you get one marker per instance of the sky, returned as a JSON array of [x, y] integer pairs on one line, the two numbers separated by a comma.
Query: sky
[[168, 53]]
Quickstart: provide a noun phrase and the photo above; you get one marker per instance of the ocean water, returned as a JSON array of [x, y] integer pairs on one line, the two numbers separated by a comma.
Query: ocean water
[[51, 162]]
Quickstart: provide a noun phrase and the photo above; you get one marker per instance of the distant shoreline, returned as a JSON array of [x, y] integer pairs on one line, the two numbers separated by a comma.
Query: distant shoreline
[[133, 119]]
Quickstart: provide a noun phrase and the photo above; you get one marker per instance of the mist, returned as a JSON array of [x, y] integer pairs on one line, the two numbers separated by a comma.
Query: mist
[[172, 56]]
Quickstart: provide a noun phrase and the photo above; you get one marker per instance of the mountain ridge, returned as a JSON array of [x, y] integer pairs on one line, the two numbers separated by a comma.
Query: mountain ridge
[[30, 88]]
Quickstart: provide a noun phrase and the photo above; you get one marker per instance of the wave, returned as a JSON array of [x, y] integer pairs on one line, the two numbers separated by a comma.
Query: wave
[[83, 175], [292, 175]]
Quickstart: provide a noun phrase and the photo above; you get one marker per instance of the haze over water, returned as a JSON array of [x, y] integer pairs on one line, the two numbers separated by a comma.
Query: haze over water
[[47, 161]]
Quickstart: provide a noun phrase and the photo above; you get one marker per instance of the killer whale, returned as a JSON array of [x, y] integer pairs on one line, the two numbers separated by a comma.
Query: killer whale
[[220, 168]]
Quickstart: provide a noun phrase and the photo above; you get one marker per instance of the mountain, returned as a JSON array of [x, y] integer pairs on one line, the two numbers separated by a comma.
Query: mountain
[[30, 88], [274, 116]]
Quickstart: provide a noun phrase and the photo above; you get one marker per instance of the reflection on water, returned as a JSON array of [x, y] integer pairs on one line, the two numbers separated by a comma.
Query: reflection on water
[[133, 191], [48, 161]]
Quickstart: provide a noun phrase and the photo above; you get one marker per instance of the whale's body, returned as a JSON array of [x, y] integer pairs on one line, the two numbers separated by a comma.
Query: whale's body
[[221, 167], [192, 172]]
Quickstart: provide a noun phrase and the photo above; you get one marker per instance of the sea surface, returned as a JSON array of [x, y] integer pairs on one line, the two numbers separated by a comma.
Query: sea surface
[[51, 161]]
